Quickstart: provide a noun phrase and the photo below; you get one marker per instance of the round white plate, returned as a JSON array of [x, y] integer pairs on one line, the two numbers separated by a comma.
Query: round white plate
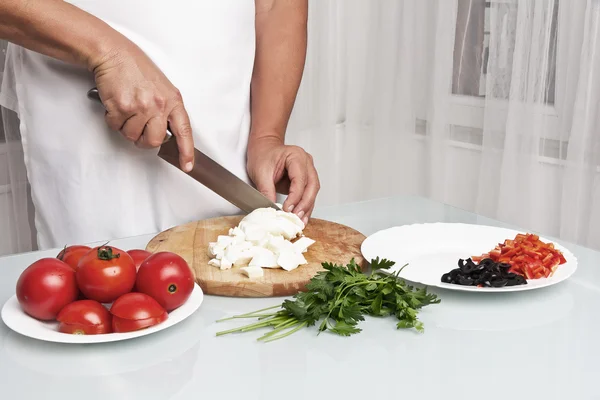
[[14, 317], [431, 250]]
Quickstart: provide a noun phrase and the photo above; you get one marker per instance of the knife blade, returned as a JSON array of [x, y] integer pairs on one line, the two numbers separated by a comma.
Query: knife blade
[[210, 173]]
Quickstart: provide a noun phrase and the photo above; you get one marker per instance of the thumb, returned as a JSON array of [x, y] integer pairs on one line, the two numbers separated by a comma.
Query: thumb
[[265, 184]]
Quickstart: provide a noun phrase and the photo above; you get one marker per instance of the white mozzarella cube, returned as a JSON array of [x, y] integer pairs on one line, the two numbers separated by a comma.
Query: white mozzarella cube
[[226, 263], [302, 244], [290, 260], [263, 258], [252, 272], [278, 244]]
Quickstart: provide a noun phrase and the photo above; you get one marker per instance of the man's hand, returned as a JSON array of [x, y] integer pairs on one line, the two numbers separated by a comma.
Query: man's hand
[[278, 66], [140, 100], [277, 168]]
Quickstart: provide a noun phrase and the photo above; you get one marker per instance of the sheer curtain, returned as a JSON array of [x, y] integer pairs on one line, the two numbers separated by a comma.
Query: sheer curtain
[[491, 106], [17, 233]]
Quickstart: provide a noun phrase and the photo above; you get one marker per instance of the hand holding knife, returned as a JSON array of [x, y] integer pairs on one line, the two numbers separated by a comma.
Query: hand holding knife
[[210, 173]]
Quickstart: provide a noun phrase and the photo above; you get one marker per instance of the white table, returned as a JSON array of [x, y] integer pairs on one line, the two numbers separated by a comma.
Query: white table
[[542, 344]]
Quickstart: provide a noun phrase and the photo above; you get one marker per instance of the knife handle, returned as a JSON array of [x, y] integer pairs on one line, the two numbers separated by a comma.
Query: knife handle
[[93, 94]]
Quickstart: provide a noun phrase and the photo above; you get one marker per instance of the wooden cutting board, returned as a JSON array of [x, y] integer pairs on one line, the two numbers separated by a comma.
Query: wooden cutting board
[[334, 243]]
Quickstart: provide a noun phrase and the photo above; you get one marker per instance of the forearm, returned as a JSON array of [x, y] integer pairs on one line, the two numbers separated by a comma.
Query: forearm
[[57, 29], [278, 67]]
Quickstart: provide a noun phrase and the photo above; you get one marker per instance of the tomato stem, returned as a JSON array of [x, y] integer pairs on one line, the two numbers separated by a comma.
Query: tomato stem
[[106, 253], [61, 255]]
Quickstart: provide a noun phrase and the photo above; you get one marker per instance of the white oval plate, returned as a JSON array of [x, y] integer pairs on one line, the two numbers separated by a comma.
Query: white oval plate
[[432, 249], [14, 317]]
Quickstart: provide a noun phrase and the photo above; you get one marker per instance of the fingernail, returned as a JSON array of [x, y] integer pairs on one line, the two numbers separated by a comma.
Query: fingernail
[[305, 220], [189, 166], [291, 208], [301, 214]]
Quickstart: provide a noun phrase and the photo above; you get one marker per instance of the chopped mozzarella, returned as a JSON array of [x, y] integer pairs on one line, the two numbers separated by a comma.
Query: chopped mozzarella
[[252, 272], [225, 263], [263, 258], [262, 240], [278, 244], [302, 244], [290, 260]]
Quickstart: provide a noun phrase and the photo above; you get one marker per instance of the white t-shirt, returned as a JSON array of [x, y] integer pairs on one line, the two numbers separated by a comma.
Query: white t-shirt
[[88, 183]]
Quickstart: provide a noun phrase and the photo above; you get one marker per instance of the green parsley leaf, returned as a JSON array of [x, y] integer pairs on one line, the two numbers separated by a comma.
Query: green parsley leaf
[[341, 296], [376, 305], [344, 329]]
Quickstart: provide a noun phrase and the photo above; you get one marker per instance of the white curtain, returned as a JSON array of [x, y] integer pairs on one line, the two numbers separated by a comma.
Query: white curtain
[[490, 106], [17, 232]]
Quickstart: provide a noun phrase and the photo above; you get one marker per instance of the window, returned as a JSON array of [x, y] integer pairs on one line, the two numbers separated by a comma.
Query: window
[[472, 48], [482, 74]]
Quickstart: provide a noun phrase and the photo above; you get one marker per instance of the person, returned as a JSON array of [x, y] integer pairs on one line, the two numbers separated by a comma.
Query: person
[[223, 74]]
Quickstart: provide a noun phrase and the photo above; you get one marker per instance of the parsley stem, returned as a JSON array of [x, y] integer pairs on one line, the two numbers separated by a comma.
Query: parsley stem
[[285, 322], [296, 329], [244, 316], [281, 327], [251, 327], [250, 314], [246, 328]]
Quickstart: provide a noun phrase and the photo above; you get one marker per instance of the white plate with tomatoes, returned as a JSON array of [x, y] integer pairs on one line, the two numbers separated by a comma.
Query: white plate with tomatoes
[[470, 257], [103, 294]]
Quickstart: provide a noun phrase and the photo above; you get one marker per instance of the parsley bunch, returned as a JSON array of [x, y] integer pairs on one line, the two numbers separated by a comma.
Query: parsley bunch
[[340, 297]]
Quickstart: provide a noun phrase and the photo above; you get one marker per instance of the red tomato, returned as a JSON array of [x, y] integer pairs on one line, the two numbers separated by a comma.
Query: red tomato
[[105, 273], [72, 254], [138, 256], [120, 325], [45, 287], [85, 317], [167, 278], [134, 311]]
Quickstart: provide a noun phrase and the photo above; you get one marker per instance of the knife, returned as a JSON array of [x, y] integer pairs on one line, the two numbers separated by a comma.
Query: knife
[[210, 173]]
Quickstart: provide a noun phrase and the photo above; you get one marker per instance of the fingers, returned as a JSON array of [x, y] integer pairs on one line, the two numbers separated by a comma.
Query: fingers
[[297, 174], [179, 123], [306, 205], [134, 126], [153, 134], [143, 114], [308, 215], [264, 184]]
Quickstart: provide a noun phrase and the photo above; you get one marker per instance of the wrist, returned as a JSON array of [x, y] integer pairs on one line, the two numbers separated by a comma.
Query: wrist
[[105, 48], [258, 140]]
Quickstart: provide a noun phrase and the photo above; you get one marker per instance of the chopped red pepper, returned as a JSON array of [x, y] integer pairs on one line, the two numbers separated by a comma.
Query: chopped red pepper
[[527, 255]]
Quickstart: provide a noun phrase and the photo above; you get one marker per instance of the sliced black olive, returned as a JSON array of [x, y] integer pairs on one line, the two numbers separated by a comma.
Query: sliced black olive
[[465, 281], [468, 266], [447, 278], [486, 273], [499, 282], [455, 273], [521, 280], [516, 280]]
